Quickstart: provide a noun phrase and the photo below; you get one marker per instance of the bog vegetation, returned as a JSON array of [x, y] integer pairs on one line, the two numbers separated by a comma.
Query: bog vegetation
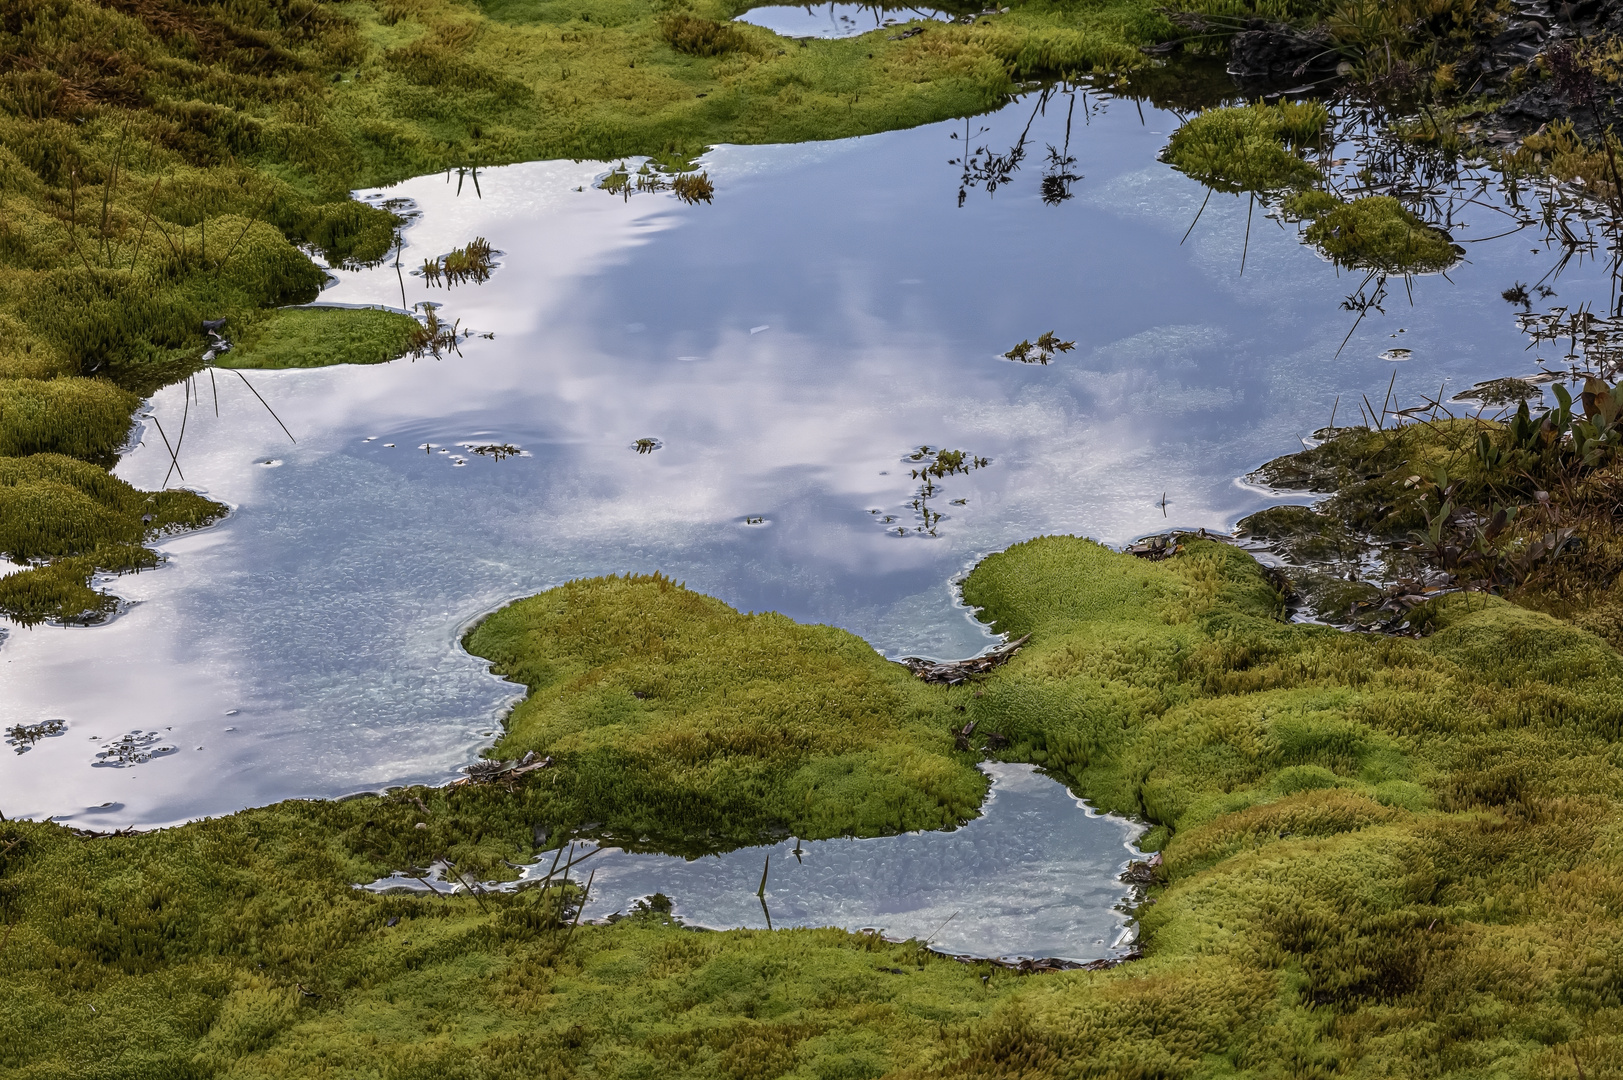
[[1361, 834]]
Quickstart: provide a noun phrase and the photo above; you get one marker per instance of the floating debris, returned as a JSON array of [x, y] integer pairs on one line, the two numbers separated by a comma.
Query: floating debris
[[1155, 548], [22, 737], [953, 672], [647, 446], [499, 451], [1506, 391], [490, 772], [136, 748]]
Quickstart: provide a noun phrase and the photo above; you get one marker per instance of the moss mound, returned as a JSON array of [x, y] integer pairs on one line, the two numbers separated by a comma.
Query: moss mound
[[1249, 147], [76, 518], [733, 723], [1378, 233], [317, 337], [83, 418]]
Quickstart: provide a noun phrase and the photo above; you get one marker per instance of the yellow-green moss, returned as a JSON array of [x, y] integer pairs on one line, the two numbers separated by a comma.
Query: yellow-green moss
[[84, 418], [1379, 233], [1249, 147], [1362, 835], [76, 518], [316, 337], [731, 722]]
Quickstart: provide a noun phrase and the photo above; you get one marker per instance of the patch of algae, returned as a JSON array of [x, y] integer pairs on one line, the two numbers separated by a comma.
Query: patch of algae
[[1382, 856]]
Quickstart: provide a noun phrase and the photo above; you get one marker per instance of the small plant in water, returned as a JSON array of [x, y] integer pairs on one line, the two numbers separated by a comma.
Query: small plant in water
[[474, 262], [646, 446], [432, 337], [693, 188], [933, 464], [1041, 351], [23, 736], [499, 451]]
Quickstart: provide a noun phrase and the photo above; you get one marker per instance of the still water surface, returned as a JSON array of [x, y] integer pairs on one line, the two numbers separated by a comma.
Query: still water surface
[[788, 346], [1038, 874], [834, 20]]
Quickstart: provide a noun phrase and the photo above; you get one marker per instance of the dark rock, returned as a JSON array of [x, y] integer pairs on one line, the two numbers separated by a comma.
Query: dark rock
[[1276, 52]]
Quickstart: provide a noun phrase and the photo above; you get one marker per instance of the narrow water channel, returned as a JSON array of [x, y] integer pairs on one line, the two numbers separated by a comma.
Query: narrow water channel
[[788, 348], [1038, 874]]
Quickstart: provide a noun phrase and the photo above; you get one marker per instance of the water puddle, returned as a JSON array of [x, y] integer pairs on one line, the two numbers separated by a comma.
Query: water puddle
[[836, 20], [732, 393], [1037, 875]]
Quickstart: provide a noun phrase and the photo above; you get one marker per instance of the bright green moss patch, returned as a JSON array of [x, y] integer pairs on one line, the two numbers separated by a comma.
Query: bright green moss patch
[[1378, 233], [732, 723], [316, 337], [1249, 147], [75, 518], [83, 418]]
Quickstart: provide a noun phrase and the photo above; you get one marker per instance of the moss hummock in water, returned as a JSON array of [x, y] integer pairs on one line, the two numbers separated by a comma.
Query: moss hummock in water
[[1249, 147], [73, 519], [317, 337], [1378, 233], [733, 723]]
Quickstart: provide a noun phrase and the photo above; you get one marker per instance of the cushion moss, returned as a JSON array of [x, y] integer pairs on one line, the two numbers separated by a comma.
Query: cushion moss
[[1379, 233], [1249, 147], [316, 337], [731, 721], [1361, 834]]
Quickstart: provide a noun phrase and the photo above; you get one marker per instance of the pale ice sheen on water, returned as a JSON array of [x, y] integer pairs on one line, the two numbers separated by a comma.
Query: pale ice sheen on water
[[309, 644], [1038, 874]]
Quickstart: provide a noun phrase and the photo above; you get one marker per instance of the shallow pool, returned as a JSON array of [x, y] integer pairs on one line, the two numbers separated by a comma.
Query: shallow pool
[[836, 20], [1038, 874], [790, 347]]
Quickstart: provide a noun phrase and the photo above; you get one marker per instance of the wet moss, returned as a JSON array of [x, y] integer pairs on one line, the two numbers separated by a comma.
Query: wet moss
[[734, 723], [1378, 233], [316, 337], [83, 418], [73, 519], [1386, 832], [1249, 148]]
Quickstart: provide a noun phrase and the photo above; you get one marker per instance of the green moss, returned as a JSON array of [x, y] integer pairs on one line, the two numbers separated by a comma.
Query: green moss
[[84, 418], [79, 519], [1308, 204], [1362, 835], [733, 723], [1378, 233], [315, 337], [1249, 147]]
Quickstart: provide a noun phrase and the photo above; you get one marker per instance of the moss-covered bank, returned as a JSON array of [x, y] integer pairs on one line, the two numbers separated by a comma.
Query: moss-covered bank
[[1382, 856]]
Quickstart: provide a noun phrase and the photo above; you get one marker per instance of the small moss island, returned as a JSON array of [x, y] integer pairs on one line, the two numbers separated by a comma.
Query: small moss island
[[1381, 855]]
